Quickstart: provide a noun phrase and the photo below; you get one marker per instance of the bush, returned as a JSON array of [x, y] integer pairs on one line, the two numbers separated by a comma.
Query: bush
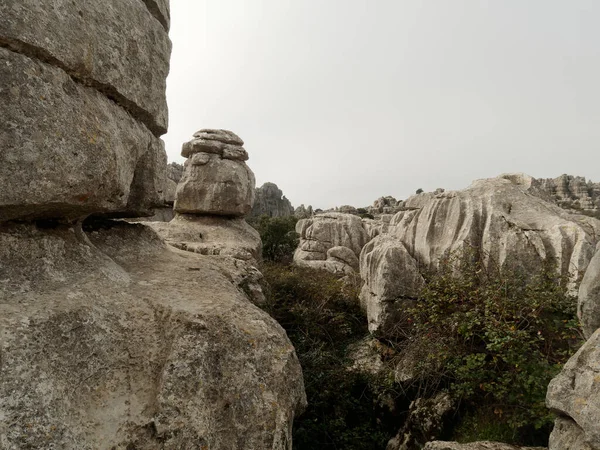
[[322, 318], [495, 338], [278, 236]]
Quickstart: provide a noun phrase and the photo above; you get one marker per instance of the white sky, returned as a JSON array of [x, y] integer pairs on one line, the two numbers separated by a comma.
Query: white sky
[[343, 101]]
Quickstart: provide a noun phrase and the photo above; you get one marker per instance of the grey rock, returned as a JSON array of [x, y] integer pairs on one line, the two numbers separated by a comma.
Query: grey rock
[[212, 235], [392, 282], [270, 201], [326, 231], [575, 392], [161, 11], [303, 212], [501, 218], [67, 150], [112, 340], [225, 136], [567, 435], [589, 297], [114, 46], [225, 150], [219, 187]]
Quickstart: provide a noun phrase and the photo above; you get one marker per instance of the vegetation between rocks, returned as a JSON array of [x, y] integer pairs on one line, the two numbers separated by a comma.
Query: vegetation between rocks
[[492, 338]]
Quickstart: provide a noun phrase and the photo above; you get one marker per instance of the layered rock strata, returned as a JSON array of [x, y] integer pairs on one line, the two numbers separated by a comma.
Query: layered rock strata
[[331, 241], [499, 217], [214, 194], [108, 337], [271, 202], [82, 114]]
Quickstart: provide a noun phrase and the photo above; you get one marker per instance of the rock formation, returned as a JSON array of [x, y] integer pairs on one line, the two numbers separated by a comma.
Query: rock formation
[[385, 205], [108, 337], [214, 194], [303, 212], [571, 192], [498, 216], [271, 202], [330, 241], [165, 212]]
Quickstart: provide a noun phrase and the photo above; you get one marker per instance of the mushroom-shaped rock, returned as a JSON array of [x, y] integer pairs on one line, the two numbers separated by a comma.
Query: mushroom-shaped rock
[[216, 180]]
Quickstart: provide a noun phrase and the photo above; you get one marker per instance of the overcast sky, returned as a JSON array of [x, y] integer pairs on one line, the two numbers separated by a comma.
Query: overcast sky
[[343, 101]]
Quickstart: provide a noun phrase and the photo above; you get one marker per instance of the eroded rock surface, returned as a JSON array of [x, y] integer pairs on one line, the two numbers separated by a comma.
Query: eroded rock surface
[[330, 241], [271, 202], [483, 445], [127, 343]]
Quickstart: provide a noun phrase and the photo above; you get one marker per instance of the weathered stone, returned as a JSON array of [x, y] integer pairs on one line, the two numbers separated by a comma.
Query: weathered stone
[[270, 201], [66, 150], [566, 435], [115, 46], [392, 282], [219, 187], [303, 212], [343, 255], [500, 218], [225, 136], [589, 297], [212, 235], [222, 149], [575, 392], [160, 10], [128, 344], [326, 231]]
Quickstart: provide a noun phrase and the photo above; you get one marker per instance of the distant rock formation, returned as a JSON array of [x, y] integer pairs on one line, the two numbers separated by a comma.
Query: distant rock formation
[[110, 338], [331, 241], [303, 212], [214, 194], [271, 202], [497, 216], [572, 192], [385, 205]]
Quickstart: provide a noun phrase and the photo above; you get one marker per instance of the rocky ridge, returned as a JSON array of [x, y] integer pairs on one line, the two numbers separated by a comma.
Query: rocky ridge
[[271, 202], [108, 337]]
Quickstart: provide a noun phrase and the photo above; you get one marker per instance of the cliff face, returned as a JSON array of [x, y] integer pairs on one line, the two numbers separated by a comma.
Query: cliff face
[[271, 202], [109, 338], [571, 192]]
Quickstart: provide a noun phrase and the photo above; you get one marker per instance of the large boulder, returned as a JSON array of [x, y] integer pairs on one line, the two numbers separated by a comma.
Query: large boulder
[[116, 47], [481, 445], [216, 180], [68, 150], [392, 282], [503, 220], [589, 297], [212, 235], [271, 202], [575, 395], [112, 340], [330, 241]]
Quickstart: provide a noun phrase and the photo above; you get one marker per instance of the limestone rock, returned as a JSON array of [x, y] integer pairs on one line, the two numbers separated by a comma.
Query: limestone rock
[[67, 150], [589, 297], [114, 46], [212, 235], [160, 10], [575, 392], [224, 136], [128, 344], [392, 282], [303, 212], [321, 233], [567, 435], [502, 219], [214, 185], [270, 201]]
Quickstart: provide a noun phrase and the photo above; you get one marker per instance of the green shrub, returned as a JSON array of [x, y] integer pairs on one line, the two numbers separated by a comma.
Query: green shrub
[[278, 236], [322, 318], [495, 338]]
